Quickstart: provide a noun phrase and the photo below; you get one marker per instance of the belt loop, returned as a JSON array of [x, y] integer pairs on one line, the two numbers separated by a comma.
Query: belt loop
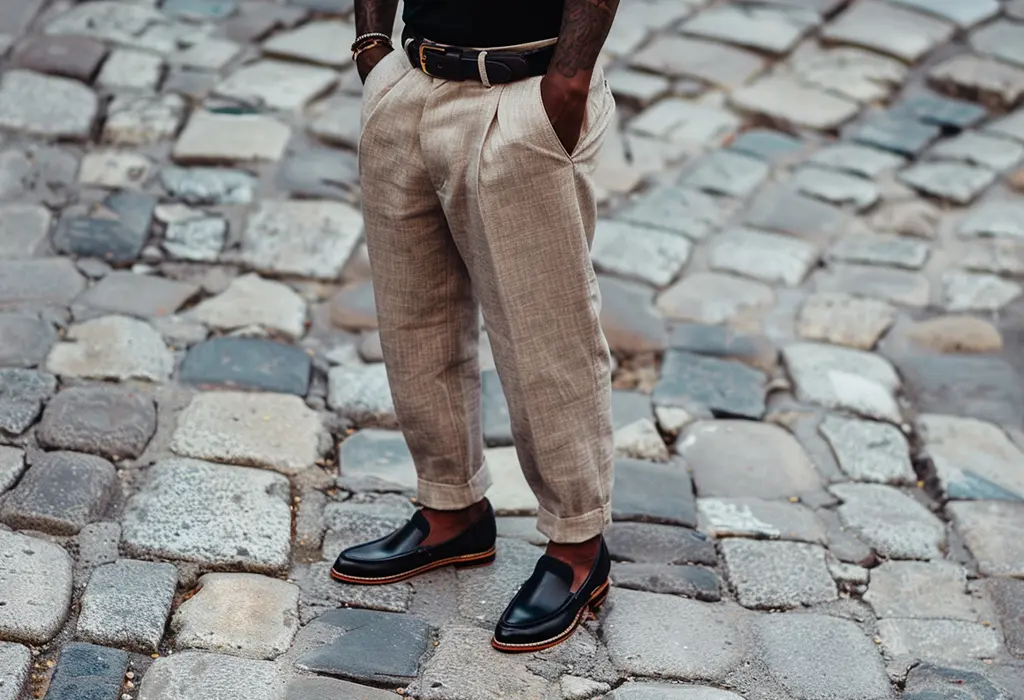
[[481, 63]]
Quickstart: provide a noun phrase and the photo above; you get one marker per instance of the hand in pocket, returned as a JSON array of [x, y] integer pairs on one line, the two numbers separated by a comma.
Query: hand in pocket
[[566, 107]]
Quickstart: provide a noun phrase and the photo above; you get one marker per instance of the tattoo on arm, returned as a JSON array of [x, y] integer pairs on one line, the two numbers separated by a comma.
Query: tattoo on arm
[[375, 16], [585, 26]]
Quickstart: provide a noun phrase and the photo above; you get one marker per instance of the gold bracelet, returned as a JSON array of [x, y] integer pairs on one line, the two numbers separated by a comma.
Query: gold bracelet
[[369, 35], [366, 46]]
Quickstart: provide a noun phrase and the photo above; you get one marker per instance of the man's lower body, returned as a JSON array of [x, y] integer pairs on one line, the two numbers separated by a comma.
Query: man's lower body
[[471, 204]]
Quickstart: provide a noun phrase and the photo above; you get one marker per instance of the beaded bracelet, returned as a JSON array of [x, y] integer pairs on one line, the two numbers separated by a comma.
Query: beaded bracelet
[[369, 35], [366, 46]]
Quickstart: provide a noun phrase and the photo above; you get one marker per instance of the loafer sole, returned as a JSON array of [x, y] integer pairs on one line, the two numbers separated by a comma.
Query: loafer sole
[[465, 561], [597, 599]]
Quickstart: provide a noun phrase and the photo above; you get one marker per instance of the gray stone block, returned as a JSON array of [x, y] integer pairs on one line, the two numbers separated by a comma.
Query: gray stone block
[[687, 581], [949, 641], [737, 459], [376, 460], [248, 363], [218, 516], [189, 675], [368, 646], [773, 575], [15, 662], [12, 464], [110, 421], [25, 339], [655, 493], [29, 566], [642, 634], [925, 590], [272, 431], [817, 657], [88, 672], [126, 604], [726, 389], [61, 493], [662, 691], [465, 666], [659, 544], [991, 530], [22, 394], [239, 614], [894, 524]]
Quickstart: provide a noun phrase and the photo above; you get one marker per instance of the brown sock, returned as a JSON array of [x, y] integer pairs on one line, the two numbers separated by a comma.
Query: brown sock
[[447, 524], [580, 557]]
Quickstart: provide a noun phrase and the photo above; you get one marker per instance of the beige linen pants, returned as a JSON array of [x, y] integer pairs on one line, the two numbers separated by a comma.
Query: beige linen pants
[[469, 198]]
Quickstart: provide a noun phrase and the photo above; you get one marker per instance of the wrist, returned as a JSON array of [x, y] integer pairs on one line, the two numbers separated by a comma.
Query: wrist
[[577, 86]]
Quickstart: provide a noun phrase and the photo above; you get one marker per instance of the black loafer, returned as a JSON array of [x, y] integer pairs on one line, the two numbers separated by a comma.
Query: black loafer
[[399, 556], [545, 611]]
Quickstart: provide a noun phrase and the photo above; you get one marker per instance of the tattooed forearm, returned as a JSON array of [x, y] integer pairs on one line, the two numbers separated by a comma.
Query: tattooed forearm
[[585, 26], [375, 16]]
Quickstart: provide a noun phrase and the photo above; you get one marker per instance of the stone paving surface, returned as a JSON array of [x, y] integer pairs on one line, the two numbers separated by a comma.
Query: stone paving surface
[[811, 256]]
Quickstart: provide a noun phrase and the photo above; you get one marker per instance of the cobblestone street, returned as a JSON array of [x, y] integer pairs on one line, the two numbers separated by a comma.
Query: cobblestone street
[[811, 257]]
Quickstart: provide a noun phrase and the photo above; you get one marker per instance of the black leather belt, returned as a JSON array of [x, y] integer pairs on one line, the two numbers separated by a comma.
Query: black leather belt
[[454, 63]]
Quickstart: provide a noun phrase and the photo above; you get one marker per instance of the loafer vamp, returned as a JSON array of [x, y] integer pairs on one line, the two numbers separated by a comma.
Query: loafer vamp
[[546, 611], [401, 553]]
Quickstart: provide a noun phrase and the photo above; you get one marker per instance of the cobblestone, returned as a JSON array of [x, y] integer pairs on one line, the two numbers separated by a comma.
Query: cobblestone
[[920, 590], [211, 514], [687, 581], [840, 378], [890, 521], [760, 519], [35, 587], [248, 363], [368, 646], [986, 527], [768, 257], [15, 662], [774, 575], [713, 298], [46, 106], [765, 28], [844, 319], [27, 339], [642, 636], [102, 420], [193, 674], [238, 614], [12, 465], [737, 459], [60, 493], [777, 97], [87, 670], [937, 384], [795, 646], [938, 640], [892, 30], [721, 387], [972, 459], [142, 296], [126, 604], [869, 451], [22, 393], [112, 347], [644, 254]]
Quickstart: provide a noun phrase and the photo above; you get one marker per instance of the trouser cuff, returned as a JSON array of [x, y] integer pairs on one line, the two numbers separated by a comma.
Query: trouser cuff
[[454, 497], [579, 528]]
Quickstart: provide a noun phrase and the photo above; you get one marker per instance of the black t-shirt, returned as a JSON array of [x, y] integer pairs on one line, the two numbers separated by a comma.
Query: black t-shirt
[[484, 23]]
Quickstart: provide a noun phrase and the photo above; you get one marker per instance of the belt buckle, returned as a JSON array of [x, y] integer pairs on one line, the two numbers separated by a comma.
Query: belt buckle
[[424, 47]]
